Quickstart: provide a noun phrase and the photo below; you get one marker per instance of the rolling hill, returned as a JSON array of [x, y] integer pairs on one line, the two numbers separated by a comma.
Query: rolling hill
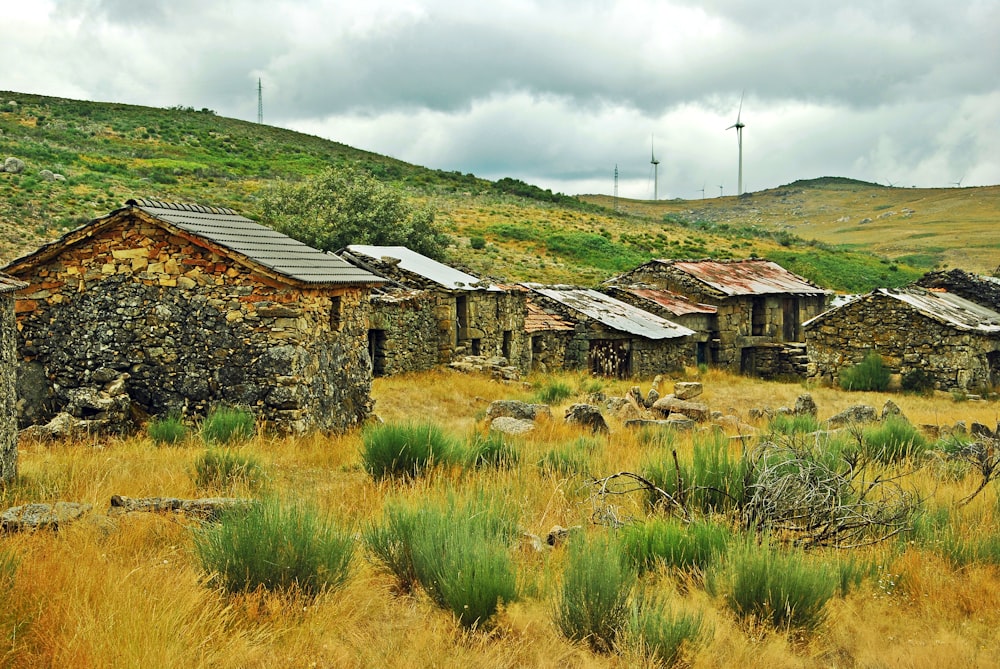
[[845, 234]]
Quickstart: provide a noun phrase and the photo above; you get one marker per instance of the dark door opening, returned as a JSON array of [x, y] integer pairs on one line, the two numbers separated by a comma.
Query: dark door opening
[[461, 317], [790, 319], [701, 353], [611, 357], [505, 346], [758, 317], [376, 352], [748, 361]]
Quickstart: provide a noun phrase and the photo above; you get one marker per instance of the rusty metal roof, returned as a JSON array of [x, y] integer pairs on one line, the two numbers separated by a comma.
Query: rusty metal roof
[[421, 265], [944, 307], [613, 313], [676, 304], [538, 320], [747, 277], [9, 284], [262, 245]]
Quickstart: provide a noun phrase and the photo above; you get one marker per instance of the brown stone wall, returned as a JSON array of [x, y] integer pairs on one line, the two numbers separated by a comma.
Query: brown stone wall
[[192, 328], [906, 340], [493, 321], [8, 418], [406, 332]]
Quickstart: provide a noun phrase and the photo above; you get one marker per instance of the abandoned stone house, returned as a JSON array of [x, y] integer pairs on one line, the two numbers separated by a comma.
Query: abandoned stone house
[[430, 314], [760, 304], [8, 366], [939, 334], [197, 305], [700, 318], [608, 337]]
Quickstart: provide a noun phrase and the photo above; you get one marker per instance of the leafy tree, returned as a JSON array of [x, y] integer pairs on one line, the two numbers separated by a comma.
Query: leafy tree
[[348, 206]]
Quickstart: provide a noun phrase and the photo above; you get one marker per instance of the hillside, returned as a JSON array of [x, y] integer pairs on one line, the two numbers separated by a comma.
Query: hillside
[[509, 230]]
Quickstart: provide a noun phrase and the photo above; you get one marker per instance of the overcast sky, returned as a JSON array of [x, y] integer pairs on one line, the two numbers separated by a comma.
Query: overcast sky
[[559, 92]]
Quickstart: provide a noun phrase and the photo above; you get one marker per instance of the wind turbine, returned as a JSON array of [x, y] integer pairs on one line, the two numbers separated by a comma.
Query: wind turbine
[[958, 184], [703, 191], [655, 163], [739, 125], [720, 190]]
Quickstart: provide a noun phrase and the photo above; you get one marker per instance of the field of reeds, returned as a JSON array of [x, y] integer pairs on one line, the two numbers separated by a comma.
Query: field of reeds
[[424, 541]]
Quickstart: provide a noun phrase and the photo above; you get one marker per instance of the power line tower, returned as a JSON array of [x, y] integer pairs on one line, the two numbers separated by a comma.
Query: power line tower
[[260, 102], [616, 188]]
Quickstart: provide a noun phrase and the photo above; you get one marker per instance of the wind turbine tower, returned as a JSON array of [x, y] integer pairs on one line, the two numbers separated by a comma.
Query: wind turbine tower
[[260, 102], [739, 125], [656, 165]]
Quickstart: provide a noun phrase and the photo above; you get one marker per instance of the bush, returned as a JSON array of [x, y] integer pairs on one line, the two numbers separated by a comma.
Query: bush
[[168, 430], [764, 584], [661, 633], [553, 392], [221, 468], [458, 554], [491, 450], [893, 440], [276, 548], [225, 425], [670, 543], [714, 482], [869, 374], [593, 603], [404, 450], [794, 424], [917, 381], [477, 242]]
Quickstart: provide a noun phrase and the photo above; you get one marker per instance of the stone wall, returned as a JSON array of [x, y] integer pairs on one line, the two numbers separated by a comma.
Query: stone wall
[[403, 332], [982, 290], [192, 328], [907, 341], [8, 418]]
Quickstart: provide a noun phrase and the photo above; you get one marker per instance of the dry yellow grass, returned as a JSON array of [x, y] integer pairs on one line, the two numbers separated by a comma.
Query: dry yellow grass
[[128, 591]]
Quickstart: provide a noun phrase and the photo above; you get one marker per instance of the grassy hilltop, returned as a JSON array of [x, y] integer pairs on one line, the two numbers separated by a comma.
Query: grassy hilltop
[[111, 152]]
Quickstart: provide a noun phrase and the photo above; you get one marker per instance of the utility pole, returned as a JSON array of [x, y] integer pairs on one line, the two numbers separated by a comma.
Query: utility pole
[[260, 102], [616, 188]]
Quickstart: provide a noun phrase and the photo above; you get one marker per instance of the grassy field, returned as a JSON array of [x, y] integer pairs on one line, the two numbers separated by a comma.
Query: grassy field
[[114, 591], [109, 153]]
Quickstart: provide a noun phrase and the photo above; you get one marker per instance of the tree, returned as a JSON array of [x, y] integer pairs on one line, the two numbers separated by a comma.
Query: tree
[[342, 206]]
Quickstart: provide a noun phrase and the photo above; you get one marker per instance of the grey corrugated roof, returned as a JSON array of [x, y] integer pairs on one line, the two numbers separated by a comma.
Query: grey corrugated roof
[[613, 313], [421, 265], [262, 245], [944, 307], [9, 284]]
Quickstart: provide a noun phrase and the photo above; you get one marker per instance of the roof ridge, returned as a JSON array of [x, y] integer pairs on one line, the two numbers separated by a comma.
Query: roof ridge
[[180, 206]]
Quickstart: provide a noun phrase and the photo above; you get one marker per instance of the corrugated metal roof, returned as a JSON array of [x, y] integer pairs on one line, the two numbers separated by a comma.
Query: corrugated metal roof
[[9, 284], [421, 265], [538, 320], [613, 313], [948, 308], [747, 277], [676, 304], [262, 245]]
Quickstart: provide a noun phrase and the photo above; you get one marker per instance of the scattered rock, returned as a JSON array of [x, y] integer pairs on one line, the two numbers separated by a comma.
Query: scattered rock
[[651, 397], [13, 165], [206, 508], [38, 516], [634, 396], [805, 406], [497, 367], [686, 390], [891, 410], [517, 409], [859, 413], [558, 534], [678, 422], [979, 430], [511, 426], [694, 410], [588, 416]]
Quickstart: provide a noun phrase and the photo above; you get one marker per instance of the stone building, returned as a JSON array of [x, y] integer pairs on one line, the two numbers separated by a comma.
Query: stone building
[[609, 337], [701, 318], [954, 341], [8, 374], [983, 290], [761, 307], [431, 314], [198, 306], [549, 336]]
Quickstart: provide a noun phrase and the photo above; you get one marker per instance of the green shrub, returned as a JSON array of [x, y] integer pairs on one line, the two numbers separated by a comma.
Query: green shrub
[[553, 392], [492, 450], [661, 633], [566, 460], [477, 242], [221, 468], [670, 543], [225, 425], [893, 440], [405, 449], [869, 374], [714, 482], [458, 553], [793, 424], [275, 547], [917, 381], [167, 430], [766, 584], [593, 601]]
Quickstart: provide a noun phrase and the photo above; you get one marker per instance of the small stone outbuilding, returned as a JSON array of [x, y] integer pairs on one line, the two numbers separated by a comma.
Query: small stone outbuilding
[[761, 307], [983, 290], [198, 306], [549, 336], [954, 341], [430, 314], [611, 337], [8, 374]]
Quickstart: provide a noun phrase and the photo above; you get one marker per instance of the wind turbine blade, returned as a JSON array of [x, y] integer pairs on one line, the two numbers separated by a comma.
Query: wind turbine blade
[[739, 113]]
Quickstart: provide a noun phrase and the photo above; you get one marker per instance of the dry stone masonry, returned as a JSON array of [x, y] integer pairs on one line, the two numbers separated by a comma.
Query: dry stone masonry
[[8, 367]]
